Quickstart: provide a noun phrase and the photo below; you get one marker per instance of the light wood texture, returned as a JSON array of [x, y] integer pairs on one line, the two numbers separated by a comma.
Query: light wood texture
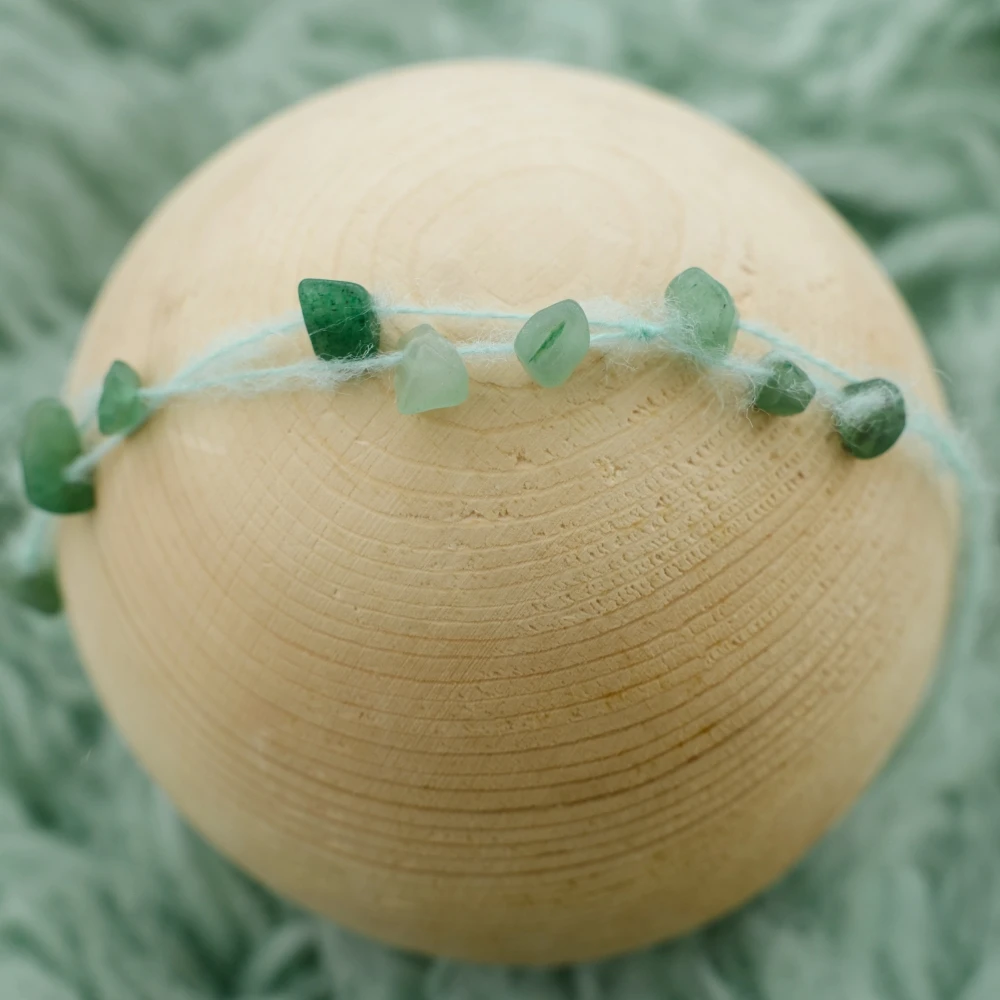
[[559, 672]]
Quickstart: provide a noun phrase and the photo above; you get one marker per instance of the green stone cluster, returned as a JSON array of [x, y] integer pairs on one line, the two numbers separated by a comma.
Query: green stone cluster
[[869, 416], [52, 442], [342, 322]]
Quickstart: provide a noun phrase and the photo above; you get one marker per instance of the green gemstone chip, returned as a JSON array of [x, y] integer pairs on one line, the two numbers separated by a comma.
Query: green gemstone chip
[[50, 443], [121, 409], [708, 311], [553, 343], [785, 388], [340, 318], [38, 590], [870, 416], [431, 374]]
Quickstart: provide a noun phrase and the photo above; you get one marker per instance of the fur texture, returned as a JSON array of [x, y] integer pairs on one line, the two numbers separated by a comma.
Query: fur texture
[[890, 107]]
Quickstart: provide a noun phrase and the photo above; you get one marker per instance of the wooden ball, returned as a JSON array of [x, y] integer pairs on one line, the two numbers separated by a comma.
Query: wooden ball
[[556, 673]]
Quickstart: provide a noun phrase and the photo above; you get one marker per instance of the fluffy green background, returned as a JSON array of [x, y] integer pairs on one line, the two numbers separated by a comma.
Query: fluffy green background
[[890, 107]]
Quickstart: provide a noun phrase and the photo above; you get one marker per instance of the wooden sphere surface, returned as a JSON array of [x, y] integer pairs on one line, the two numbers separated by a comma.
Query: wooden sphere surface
[[558, 672]]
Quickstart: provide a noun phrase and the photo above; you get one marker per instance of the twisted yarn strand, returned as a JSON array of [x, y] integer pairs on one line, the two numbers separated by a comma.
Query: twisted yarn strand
[[225, 369]]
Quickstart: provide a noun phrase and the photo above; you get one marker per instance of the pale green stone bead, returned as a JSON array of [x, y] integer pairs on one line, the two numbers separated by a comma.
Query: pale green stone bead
[[431, 375], [709, 311], [553, 342]]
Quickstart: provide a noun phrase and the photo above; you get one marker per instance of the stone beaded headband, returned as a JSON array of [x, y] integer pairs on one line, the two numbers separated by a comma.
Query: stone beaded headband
[[697, 321], [342, 320]]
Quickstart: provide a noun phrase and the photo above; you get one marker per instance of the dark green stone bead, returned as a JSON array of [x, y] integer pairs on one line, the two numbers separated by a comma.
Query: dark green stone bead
[[38, 590], [870, 417], [50, 443], [121, 410], [340, 318], [708, 310], [785, 389]]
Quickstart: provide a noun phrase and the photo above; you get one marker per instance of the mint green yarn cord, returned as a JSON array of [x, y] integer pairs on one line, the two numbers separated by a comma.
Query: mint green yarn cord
[[223, 369]]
